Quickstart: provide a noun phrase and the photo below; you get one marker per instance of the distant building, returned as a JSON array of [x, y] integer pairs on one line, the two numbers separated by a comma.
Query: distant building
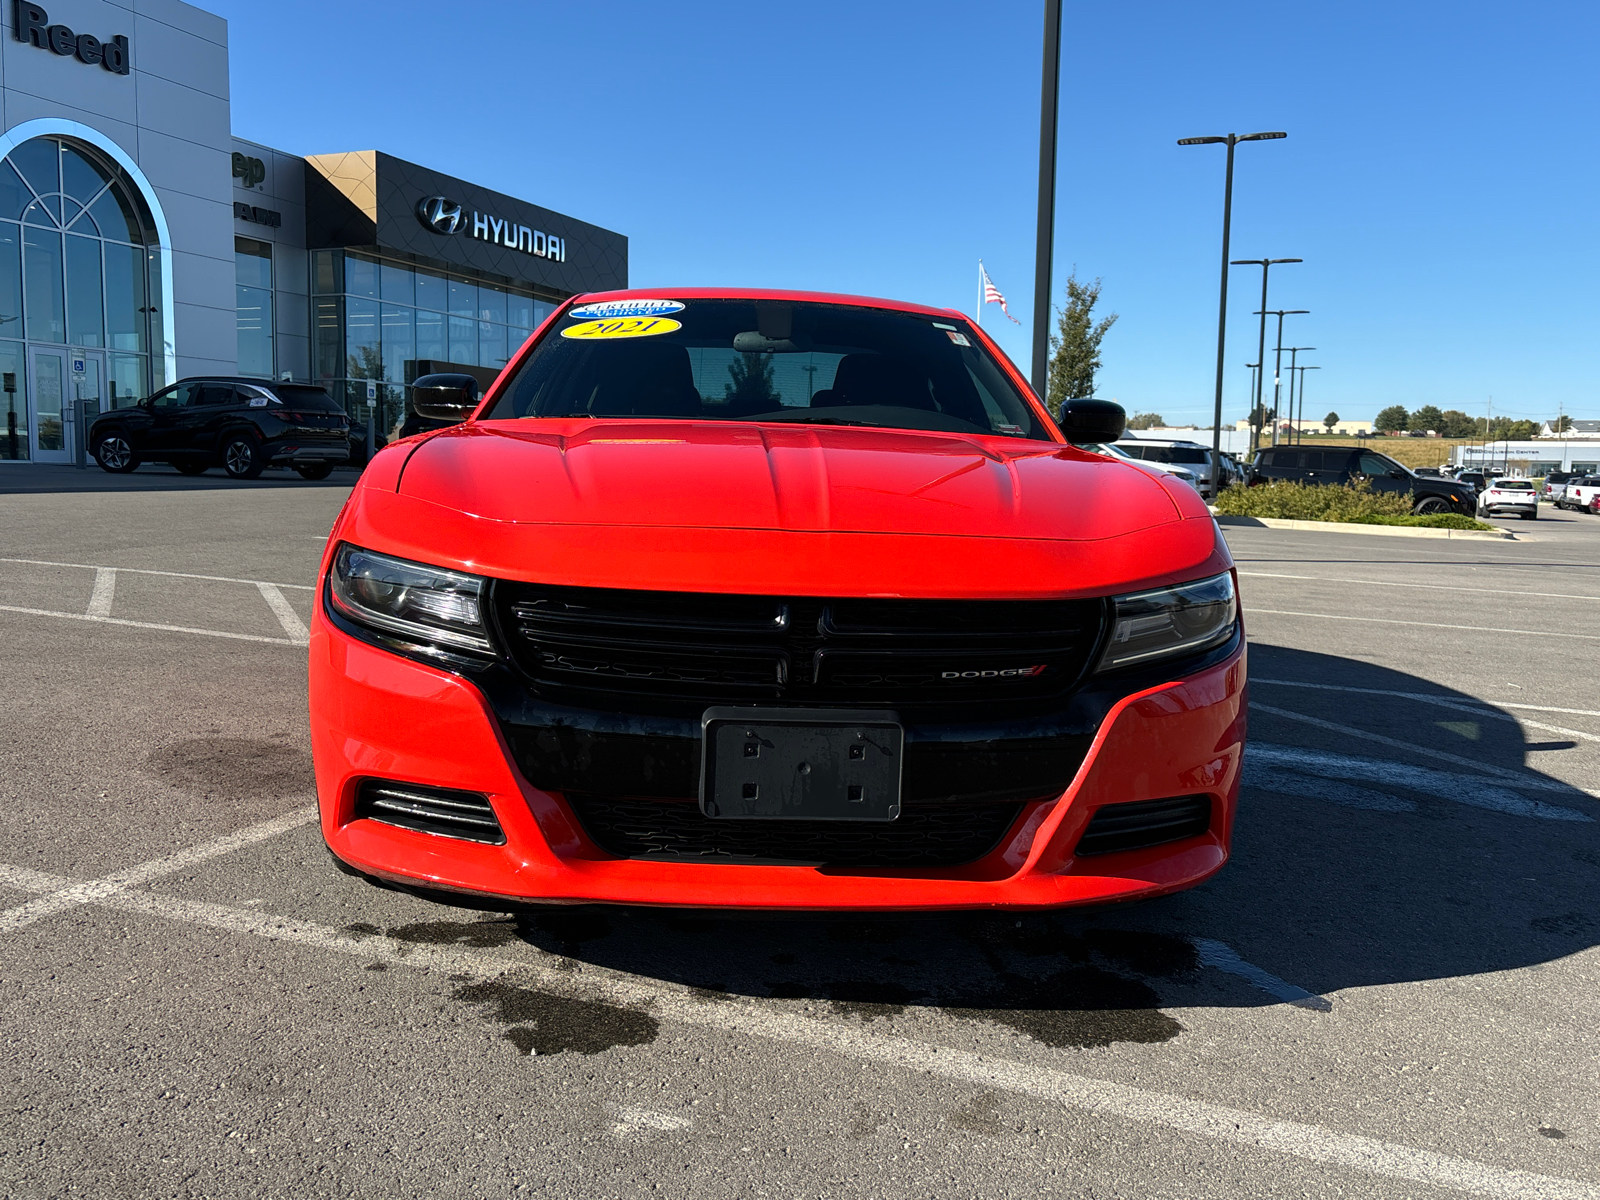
[[1575, 429], [1340, 428]]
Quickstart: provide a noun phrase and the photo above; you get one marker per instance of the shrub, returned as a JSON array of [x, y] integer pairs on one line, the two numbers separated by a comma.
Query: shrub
[[1352, 502]]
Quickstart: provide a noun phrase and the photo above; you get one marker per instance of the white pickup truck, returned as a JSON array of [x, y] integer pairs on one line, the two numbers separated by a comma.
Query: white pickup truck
[[1509, 497], [1582, 494]]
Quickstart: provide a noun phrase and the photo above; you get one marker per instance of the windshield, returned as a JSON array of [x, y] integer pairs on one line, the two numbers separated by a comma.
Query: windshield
[[743, 360], [1169, 454], [306, 399]]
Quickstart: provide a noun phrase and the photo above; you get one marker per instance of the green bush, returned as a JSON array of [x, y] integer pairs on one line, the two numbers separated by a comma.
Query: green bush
[[1355, 502]]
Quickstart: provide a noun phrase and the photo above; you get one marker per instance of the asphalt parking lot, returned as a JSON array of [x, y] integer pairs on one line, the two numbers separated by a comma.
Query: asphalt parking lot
[[1390, 992]]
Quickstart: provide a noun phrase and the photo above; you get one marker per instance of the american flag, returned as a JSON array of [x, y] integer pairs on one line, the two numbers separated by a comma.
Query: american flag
[[991, 294]]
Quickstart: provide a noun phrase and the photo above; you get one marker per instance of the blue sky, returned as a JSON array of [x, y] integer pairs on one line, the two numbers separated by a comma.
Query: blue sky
[[1439, 178]]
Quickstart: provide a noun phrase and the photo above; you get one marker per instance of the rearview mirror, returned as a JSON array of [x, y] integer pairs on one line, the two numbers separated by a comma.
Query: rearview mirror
[[445, 397], [1085, 421]]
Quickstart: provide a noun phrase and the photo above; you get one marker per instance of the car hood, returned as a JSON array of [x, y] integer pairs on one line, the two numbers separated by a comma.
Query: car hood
[[709, 475]]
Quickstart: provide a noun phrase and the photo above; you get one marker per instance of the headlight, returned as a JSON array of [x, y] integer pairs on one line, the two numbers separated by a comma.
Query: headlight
[[1169, 621], [425, 604]]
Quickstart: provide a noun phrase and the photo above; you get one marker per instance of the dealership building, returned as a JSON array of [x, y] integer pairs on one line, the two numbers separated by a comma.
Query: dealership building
[[141, 242]]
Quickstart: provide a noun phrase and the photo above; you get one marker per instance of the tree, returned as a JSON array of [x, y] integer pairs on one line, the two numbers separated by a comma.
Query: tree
[[1392, 419], [1520, 431], [1331, 420], [1425, 419], [1456, 424], [1075, 346], [1561, 424], [1145, 420], [752, 388]]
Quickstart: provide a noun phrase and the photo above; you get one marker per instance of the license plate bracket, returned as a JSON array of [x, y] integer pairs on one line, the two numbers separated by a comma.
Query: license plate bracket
[[803, 764]]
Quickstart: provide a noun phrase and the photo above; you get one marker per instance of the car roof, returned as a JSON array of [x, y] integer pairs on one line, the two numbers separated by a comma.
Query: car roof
[[704, 293], [242, 379]]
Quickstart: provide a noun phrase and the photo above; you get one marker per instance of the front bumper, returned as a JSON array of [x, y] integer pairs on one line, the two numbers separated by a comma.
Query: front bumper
[[376, 714]]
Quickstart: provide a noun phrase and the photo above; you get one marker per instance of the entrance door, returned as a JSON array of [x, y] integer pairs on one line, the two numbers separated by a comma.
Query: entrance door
[[68, 394]]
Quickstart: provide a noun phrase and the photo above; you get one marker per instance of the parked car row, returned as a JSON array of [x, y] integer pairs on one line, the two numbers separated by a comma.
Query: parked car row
[[1581, 494], [1297, 464]]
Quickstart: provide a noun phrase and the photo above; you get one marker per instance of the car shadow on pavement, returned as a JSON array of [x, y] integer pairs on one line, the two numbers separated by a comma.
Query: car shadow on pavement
[[1357, 862]]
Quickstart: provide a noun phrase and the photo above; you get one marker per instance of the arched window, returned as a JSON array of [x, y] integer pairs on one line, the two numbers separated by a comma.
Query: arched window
[[75, 251]]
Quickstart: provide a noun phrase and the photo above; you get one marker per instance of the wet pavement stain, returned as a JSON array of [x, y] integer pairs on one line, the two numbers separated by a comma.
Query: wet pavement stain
[[864, 1123], [1550, 1131], [545, 1024], [239, 767], [1080, 1007], [377, 966], [480, 935], [980, 1116], [867, 1000]]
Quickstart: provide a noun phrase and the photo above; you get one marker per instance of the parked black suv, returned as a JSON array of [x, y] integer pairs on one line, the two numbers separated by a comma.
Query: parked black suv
[[241, 425], [1345, 464]]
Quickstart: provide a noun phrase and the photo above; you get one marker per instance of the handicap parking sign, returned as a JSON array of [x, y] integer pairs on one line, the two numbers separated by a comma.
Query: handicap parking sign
[[78, 367]]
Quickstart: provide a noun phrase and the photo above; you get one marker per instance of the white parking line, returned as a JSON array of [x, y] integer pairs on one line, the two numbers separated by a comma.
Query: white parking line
[[1479, 769], [106, 886], [1280, 612], [1480, 708], [69, 616], [37, 562], [1222, 957], [105, 589], [1433, 587], [287, 617], [1099, 1097]]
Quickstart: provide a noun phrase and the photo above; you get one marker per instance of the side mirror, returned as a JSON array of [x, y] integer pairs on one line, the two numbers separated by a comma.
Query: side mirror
[[1086, 421], [445, 397], [1397, 474]]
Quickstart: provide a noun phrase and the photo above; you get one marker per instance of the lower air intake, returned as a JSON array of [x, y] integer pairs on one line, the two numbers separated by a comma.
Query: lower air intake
[[933, 835], [440, 811], [1145, 823]]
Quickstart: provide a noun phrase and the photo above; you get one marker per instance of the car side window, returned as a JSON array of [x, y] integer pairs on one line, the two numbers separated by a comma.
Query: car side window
[[1374, 464], [212, 394], [176, 396]]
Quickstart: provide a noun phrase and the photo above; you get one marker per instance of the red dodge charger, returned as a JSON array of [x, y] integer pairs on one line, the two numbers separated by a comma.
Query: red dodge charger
[[773, 600]]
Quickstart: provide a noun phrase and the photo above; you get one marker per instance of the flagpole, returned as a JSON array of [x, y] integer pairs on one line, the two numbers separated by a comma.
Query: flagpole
[[979, 315]]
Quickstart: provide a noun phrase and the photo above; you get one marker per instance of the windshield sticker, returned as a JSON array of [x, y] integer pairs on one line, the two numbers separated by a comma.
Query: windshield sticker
[[622, 327], [258, 401], [959, 339], [628, 308]]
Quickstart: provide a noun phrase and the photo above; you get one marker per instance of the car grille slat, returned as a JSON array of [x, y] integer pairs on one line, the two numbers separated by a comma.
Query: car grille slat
[[935, 835], [1142, 823], [440, 811], [705, 648]]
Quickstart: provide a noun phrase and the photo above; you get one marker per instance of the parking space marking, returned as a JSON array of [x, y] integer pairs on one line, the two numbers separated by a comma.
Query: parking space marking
[[90, 891], [1534, 782], [1223, 957], [1480, 708], [105, 589], [753, 1018], [221, 633], [287, 617], [1320, 787], [1280, 612], [36, 562], [1433, 587]]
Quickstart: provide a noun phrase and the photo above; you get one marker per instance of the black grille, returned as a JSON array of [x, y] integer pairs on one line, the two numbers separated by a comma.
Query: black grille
[[430, 810], [1145, 823], [707, 649], [935, 835]]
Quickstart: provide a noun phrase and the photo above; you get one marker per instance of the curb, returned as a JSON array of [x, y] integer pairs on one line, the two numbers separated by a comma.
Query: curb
[[1493, 535]]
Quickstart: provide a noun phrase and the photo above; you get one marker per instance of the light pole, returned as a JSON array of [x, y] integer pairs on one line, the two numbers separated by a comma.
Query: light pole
[[1294, 420], [1277, 362], [1232, 140], [1303, 371], [1049, 97], [1266, 265]]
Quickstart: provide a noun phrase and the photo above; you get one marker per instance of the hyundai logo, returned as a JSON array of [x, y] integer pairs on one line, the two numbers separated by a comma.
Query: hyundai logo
[[439, 214]]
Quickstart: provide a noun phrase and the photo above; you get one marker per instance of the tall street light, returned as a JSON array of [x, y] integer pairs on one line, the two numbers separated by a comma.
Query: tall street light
[[1230, 141], [1293, 420], [1049, 103], [1277, 362], [1303, 371], [1266, 264]]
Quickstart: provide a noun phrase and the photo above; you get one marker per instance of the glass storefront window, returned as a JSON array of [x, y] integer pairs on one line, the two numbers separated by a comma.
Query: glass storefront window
[[360, 277], [399, 342], [463, 341], [126, 375], [463, 300], [433, 291], [41, 285], [431, 340], [252, 272], [10, 278], [397, 284], [13, 403], [519, 310], [125, 297], [330, 342], [327, 272], [491, 304], [363, 359], [491, 345], [85, 293]]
